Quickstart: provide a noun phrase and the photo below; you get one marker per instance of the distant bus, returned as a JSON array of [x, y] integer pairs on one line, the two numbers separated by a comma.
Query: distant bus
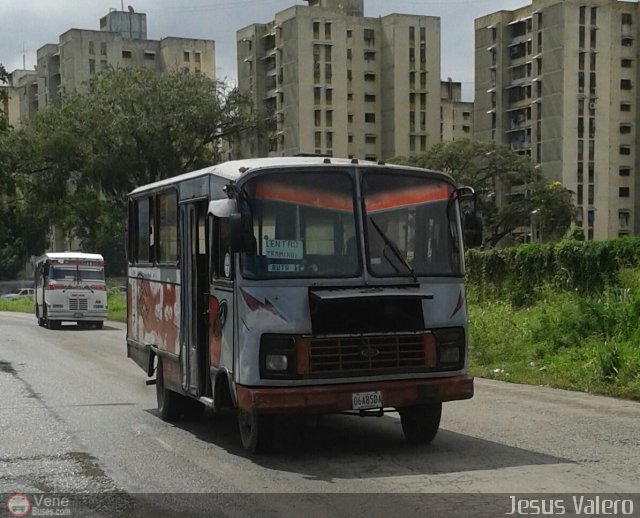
[[300, 285], [70, 287]]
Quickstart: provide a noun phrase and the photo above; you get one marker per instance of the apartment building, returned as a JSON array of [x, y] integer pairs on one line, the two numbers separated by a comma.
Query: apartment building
[[67, 66], [328, 80], [557, 80], [456, 115]]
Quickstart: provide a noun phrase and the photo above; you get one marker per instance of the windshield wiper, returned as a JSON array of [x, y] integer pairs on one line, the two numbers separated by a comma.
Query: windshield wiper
[[394, 248]]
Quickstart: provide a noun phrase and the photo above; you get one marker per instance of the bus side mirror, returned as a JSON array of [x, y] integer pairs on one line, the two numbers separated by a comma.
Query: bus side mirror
[[472, 229], [241, 230]]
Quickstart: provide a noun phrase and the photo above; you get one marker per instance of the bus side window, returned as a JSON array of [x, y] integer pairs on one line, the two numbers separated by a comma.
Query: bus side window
[[221, 249]]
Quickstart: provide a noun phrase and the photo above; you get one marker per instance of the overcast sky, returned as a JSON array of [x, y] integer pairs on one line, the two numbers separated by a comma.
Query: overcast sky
[[26, 25]]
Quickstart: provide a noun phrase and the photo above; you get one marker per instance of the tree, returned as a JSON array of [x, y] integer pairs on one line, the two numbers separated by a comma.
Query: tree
[[507, 185], [135, 126]]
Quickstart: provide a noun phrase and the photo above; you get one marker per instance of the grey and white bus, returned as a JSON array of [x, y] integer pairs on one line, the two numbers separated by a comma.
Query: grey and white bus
[[70, 287], [301, 285]]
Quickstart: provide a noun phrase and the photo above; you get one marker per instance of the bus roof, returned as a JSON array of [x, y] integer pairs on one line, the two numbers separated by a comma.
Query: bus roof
[[79, 256], [233, 169]]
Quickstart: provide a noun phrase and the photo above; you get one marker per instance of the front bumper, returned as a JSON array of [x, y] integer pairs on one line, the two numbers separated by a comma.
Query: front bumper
[[76, 316], [328, 399]]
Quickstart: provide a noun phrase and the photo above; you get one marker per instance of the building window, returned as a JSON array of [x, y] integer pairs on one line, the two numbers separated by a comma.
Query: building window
[[327, 52], [327, 31], [369, 36], [626, 19], [625, 129], [627, 41], [625, 84], [624, 216], [186, 56], [349, 54], [318, 139], [579, 175], [317, 117], [370, 139], [369, 55], [328, 96], [624, 170], [594, 16], [328, 76], [197, 57], [623, 192], [583, 14], [625, 150], [316, 95], [126, 54], [149, 56], [329, 137], [369, 76], [349, 33], [626, 63], [92, 66], [329, 119], [369, 98], [316, 30], [370, 117], [590, 195], [103, 48]]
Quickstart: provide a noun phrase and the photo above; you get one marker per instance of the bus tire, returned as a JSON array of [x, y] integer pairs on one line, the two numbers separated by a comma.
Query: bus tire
[[53, 324], [420, 423], [169, 402], [256, 431], [40, 320]]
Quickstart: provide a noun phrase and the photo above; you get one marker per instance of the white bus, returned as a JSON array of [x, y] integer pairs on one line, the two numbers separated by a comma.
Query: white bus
[[70, 287], [300, 285]]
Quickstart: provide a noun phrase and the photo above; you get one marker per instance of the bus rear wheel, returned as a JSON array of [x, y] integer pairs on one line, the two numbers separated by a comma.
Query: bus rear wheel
[[169, 402], [256, 431], [420, 423]]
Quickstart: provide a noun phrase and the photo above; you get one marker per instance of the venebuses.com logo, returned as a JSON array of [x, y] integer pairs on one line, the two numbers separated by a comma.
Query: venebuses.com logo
[[18, 504]]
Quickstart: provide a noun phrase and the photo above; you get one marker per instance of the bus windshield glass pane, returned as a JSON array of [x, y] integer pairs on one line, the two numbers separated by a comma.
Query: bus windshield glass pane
[[303, 226], [407, 226], [67, 273], [91, 274]]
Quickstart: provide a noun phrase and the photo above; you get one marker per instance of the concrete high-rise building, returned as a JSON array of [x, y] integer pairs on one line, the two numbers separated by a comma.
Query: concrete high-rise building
[[557, 80], [456, 115], [328, 80], [67, 67]]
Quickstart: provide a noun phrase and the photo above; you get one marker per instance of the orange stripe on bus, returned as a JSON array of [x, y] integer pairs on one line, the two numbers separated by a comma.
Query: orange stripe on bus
[[304, 196], [407, 197]]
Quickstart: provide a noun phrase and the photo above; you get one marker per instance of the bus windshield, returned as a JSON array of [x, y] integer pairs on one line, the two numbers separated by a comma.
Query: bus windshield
[[410, 229], [303, 226], [76, 273]]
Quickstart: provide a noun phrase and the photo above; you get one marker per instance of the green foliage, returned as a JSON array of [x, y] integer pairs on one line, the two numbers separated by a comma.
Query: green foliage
[[517, 272], [492, 169], [563, 339], [76, 162]]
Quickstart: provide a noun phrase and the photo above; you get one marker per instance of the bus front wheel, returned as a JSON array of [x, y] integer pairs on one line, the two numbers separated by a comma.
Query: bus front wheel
[[256, 431], [168, 400], [420, 423]]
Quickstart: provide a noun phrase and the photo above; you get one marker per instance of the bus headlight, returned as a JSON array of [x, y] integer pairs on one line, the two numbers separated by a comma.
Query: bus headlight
[[276, 362], [450, 348], [277, 356]]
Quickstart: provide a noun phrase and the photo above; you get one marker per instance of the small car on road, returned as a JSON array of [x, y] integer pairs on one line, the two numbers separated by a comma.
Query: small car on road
[[22, 293]]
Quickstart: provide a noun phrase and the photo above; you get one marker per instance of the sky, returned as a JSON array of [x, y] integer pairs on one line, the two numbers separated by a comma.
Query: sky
[[27, 25]]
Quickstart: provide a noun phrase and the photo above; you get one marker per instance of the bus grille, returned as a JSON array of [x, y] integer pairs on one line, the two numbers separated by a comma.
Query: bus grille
[[370, 353], [78, 304]]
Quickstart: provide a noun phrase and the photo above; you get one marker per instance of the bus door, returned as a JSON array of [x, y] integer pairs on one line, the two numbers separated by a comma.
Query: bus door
[[221, 306], [194, 345]]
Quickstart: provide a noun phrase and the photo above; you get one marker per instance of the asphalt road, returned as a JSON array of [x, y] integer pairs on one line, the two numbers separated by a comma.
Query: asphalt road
[[77, 418]]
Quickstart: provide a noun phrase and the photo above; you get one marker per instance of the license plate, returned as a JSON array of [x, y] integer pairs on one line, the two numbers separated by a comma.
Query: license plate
[[78, 315], [364, 400]]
